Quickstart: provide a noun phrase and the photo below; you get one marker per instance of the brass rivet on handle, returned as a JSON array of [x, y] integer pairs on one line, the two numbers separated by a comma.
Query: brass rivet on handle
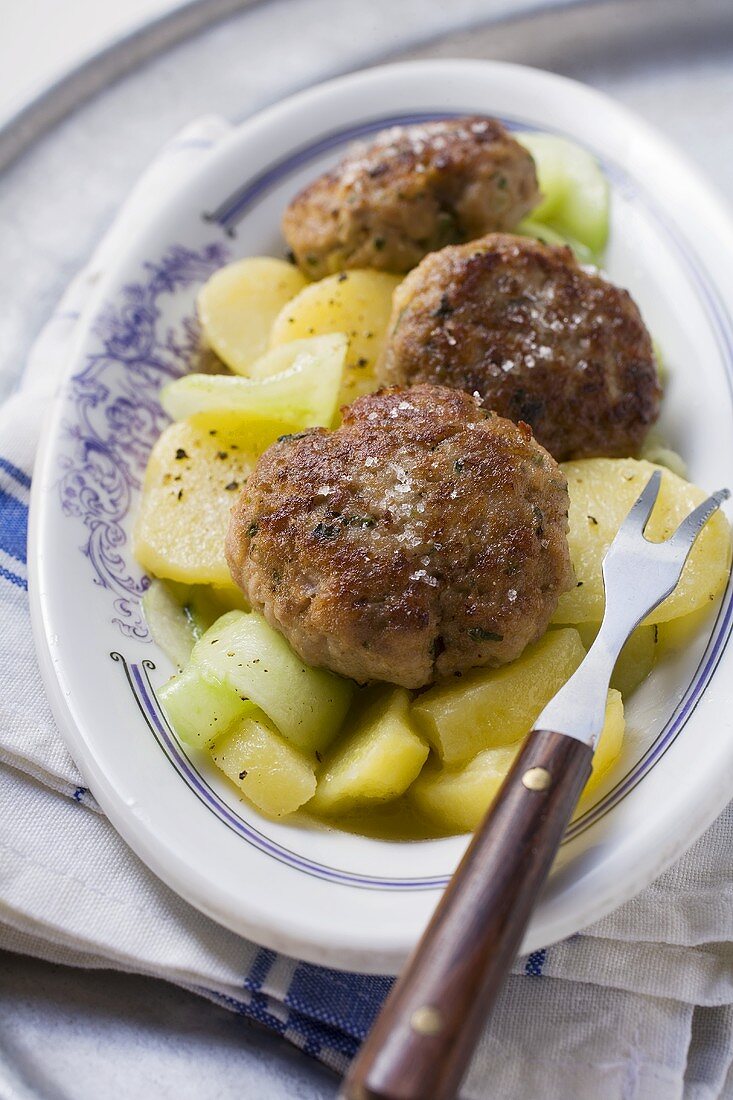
[[537, 779], [426, 1020]]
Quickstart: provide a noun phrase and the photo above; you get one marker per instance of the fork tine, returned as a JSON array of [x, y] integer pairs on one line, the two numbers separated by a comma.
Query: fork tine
[[691, 526], [640, 511]]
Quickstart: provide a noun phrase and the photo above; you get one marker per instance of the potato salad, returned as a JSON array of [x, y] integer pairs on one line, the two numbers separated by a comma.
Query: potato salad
[[375, 530]]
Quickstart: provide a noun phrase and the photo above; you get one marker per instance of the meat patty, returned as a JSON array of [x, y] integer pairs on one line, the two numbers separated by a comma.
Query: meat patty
[[423, 537], [539, 338], [412, 190]]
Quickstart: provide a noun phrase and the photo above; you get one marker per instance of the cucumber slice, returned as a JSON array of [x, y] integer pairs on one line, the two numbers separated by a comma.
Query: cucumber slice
[[200, 709], [551, 167], [575, 191], [662, 369], [205, 604], [178, 614], [301, 392], [283, 357], [170, 625], [306, 704], [530, 228], [656, 450]]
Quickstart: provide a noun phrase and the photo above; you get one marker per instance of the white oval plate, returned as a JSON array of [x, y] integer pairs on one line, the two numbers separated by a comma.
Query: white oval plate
[[321, 895]]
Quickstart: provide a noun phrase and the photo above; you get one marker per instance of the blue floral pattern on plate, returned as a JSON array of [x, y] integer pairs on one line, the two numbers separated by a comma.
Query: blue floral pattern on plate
[[117, 417]]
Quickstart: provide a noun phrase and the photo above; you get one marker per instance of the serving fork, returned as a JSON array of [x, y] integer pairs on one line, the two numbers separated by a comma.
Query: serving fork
[[423, 1039]]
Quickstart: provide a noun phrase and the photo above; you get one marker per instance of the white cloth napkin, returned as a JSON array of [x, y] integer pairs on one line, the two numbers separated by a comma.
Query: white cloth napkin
[[639, 1006]]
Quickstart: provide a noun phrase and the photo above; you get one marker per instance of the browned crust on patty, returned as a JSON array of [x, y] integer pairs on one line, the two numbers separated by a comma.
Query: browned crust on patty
[[412, 190], [421, 538], [539, 338]]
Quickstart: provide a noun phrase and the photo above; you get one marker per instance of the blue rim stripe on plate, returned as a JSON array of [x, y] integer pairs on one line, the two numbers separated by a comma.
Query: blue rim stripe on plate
[[232, 209]]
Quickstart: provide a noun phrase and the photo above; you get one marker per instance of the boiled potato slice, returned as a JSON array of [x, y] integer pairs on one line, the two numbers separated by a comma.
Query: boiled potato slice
[[678, 634], [607, 751], [575, 191], [602, 490], [192, 479], [200, 709], [455, 800], [636, 659], [273, 775], [357, 303], [307, 705], [374, 763], [610, 741], [491, 707], [302, 393], [238, 304]]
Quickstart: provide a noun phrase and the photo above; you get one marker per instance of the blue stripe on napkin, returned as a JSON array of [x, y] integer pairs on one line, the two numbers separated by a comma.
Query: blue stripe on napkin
[[336, 998], [535, 962], [14, 471], [13, 578], [13, 526]]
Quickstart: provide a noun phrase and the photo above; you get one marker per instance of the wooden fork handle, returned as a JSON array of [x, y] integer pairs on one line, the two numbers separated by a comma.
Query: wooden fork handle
[[422, 1041]]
